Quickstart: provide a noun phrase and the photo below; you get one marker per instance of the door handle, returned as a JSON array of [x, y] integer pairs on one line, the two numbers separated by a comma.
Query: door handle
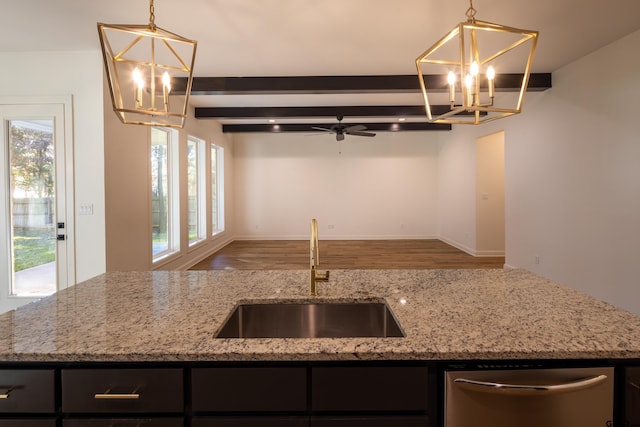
[[634, 385], [528, 389]]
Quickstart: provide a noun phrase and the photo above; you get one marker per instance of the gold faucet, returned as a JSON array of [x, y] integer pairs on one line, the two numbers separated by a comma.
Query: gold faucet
[[314, 275]]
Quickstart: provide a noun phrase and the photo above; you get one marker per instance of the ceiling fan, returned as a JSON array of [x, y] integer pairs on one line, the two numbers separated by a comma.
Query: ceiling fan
[[341, 130]]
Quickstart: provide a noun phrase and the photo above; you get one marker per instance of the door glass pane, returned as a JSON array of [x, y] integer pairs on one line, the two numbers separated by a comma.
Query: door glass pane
[[33, 202], [160, 190]]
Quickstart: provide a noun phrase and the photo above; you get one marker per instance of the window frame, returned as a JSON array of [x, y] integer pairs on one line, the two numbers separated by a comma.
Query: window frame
[[173, 196], [217, 185], [201, 191]]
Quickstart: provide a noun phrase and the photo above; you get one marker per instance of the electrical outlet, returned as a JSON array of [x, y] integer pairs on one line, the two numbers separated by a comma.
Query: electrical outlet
[[331, 226], [536, 259]]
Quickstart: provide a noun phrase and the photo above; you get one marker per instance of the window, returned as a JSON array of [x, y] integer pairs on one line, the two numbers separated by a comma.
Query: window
[[217, 189], [196, 190], [164, 193]]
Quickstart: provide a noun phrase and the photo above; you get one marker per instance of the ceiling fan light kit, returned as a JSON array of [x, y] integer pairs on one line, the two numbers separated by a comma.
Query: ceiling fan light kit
[[141, 62], [469, 60]]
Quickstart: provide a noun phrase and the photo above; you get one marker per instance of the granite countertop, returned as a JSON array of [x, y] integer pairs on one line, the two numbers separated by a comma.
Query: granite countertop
[[445, 314]]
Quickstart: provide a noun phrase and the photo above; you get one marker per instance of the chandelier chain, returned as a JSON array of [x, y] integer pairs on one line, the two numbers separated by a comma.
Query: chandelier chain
[[152, 16], [471, 12]]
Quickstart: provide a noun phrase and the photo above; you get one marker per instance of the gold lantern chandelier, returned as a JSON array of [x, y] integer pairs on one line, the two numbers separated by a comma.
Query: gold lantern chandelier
[[142, 62], [462, 71]]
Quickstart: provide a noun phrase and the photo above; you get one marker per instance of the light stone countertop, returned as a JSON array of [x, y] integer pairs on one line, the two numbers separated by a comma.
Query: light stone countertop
[[448, 315]]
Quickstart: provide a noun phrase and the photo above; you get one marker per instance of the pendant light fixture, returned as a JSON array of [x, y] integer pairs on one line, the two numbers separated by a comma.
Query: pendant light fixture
[[466, 66], [142, 62]]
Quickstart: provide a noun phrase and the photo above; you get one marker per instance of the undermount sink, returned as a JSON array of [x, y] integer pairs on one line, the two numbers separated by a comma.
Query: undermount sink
[[311, 320]]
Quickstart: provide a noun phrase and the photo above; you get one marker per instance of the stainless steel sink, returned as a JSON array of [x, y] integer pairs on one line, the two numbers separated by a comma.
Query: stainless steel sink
[[311, 320]]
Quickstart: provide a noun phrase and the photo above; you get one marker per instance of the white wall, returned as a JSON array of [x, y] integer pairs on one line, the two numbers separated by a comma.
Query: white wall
[[128, 224], [572, 177], [361, 188], [78, 74], [490, 213]]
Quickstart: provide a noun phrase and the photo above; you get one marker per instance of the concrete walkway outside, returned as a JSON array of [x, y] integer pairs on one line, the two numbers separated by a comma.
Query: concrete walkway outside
[[36, 281]]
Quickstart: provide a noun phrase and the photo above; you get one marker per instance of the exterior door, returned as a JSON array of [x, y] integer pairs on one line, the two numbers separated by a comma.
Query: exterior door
[[36, 257]]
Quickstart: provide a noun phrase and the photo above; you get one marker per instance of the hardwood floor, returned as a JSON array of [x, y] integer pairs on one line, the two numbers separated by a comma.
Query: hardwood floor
[[344, 254]]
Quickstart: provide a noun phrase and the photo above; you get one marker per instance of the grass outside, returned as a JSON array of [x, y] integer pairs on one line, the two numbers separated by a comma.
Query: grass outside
[[33, 247]]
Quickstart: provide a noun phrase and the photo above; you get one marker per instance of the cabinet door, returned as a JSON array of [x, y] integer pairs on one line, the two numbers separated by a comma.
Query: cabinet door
[[28, 423], [130, 422], [370, 421], [376, 388], [632, 402], [122, 390], [251, 422], [23, 390], [249, 389]]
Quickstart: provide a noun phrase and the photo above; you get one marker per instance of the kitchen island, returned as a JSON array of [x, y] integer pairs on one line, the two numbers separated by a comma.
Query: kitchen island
[[445, 315], [132, 348]]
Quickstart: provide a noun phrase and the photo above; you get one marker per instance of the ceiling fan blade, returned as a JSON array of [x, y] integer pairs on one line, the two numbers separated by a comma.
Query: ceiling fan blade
[[321, 129], [358, 133], [355, 128]]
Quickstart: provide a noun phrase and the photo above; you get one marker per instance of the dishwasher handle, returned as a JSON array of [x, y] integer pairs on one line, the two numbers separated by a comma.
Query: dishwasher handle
[[528, 389]]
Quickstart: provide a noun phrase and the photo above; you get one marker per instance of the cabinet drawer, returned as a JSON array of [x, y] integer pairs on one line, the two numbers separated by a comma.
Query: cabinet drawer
[[384, 388], [128, 422], [26, 391], [249, 389], [251, 422], [370, 421], [28, 423], [122, 390]]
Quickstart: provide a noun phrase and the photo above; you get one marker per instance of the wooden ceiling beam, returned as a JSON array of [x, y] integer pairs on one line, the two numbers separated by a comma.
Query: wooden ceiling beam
[[320, 111], [308, 127], [341, 84]]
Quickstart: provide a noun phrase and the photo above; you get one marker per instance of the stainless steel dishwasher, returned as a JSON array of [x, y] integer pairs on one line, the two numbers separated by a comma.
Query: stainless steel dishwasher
[[572, 397]]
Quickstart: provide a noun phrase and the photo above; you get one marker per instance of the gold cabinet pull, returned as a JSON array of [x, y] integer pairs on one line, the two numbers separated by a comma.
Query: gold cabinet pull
[[5, 395], [107, 395]]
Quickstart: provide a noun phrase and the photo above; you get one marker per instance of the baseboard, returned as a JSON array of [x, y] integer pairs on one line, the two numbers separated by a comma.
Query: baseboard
[[457, 245], [325, 237], [193, 261]]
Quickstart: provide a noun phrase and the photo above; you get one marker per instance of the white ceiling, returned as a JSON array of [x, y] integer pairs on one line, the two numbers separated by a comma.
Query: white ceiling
[[316, 37]]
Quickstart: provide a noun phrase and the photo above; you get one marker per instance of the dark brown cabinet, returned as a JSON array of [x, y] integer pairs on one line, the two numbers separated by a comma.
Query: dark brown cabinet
[[123, 422], [380, 421], [251, 422], [27, 391], [122, 390], [28, 423], [376, 388], [632, 397], [247, 389], [306, 393]]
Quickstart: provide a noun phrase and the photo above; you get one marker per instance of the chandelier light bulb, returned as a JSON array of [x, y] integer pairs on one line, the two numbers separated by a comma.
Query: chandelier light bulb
[[451, 79], [468, 83], [139, 83], [475, 69], [491, 75]]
